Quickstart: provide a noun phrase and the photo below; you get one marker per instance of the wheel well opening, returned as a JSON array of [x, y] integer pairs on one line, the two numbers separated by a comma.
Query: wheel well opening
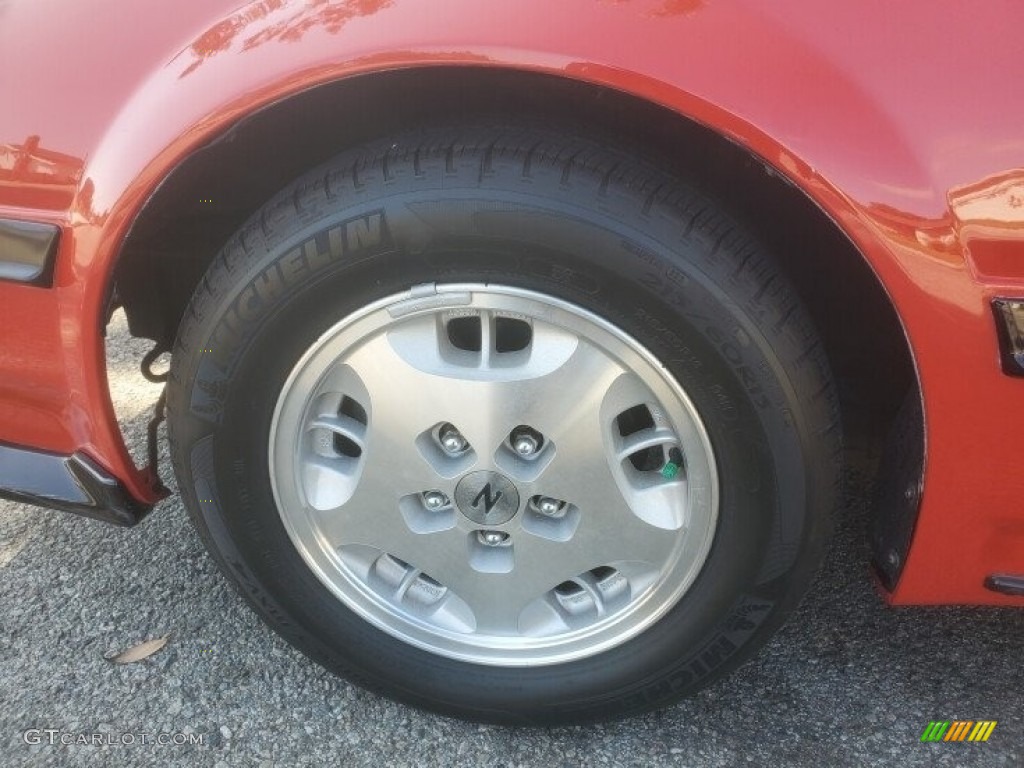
[[209, 196]]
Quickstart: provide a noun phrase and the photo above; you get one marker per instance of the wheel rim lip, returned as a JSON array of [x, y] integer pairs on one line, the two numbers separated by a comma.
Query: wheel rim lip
[[323, 559]]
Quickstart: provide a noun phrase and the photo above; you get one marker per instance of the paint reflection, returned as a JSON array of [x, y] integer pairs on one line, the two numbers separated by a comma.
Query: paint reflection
[[280, 20]]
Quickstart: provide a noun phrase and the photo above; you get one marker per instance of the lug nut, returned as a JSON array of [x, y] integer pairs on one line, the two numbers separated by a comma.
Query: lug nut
[[548, 506], [525, 441], [434, 500], [452, 440], [526, 445], [492, 538]]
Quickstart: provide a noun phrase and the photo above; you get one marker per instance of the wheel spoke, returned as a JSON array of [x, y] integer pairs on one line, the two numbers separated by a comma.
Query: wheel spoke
[[610, 529], [413, 399], [565, 404], [372, 519], [579, 413], [497, 601]]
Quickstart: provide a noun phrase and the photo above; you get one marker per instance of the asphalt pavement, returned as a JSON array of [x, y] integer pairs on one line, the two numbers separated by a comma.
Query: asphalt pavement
[[848, 681]]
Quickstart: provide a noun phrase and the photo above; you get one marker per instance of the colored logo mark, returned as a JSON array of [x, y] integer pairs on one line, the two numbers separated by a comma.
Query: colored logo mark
[[958, 730]]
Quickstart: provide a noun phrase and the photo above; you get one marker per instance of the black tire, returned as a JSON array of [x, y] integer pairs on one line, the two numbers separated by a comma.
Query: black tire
[[594, 225]]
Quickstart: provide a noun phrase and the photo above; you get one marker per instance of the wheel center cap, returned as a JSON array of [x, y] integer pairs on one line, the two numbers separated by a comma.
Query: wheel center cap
[[487, 498]]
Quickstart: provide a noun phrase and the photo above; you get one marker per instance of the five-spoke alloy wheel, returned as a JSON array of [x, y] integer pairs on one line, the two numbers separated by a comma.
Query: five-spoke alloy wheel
[[493, 475]]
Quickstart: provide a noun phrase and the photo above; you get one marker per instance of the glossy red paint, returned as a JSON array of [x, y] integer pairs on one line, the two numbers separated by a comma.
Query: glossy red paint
[[902, 121]]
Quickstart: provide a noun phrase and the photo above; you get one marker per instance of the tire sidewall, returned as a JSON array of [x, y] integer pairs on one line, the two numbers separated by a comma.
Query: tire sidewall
[[618, 266]]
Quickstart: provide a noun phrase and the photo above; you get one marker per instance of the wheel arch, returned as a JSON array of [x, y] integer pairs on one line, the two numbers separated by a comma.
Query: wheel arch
[[211, 192]]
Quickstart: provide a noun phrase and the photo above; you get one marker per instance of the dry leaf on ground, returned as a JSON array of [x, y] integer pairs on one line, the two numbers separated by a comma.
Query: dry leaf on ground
[[140, 651]]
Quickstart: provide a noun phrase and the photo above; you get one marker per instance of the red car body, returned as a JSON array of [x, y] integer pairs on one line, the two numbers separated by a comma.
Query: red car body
[[904, 122]]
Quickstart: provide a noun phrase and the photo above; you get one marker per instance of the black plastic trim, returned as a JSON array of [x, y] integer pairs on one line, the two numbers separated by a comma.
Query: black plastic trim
[[1005, 584], [898, 491], [73, 484], [27, 251], [1010, 354]]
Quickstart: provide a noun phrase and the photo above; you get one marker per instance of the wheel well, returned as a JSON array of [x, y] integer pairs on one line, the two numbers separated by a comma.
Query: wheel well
[[193, 213]]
